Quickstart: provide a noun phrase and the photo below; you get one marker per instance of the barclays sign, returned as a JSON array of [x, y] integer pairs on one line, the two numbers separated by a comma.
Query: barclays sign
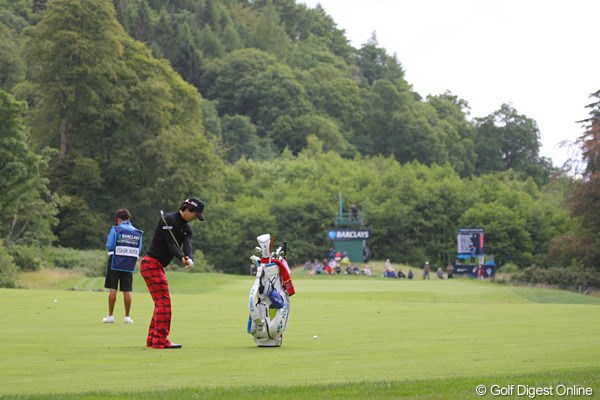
[[349, 234]]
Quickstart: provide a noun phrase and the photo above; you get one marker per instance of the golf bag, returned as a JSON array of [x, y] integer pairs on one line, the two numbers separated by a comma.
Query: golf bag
[[269, 300]]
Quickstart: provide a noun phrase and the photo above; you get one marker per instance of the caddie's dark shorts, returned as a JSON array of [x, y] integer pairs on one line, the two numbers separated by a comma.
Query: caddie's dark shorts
[[114, 277]]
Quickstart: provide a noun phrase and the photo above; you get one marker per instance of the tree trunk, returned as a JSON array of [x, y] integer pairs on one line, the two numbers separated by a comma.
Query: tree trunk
[[63, 138]]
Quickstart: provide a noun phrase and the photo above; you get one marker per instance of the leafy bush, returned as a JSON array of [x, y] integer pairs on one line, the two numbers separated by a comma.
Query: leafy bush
[[27, 258], [509, 268], [93, 262], [8, 269], [573, 277], [32, 258], [200, 263]]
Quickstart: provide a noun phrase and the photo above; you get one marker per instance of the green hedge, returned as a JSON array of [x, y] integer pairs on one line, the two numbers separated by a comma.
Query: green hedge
[[32, 258], [573, 277], [8, 269]]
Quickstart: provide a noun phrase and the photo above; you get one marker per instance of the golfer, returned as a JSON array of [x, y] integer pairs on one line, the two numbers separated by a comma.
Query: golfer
[[124, 245], [172, 238]]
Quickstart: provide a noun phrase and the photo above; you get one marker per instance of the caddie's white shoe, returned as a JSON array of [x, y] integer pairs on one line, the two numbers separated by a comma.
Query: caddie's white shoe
[[108, 319], [128, 320]]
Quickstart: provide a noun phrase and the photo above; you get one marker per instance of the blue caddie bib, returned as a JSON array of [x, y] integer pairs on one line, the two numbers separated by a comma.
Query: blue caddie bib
[[127, 249]]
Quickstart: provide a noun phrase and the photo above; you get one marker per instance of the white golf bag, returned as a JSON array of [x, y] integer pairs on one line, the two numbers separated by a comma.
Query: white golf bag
[[269, 300]]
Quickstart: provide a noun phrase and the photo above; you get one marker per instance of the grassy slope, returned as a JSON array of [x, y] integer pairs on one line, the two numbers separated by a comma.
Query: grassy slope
[[429, 336]]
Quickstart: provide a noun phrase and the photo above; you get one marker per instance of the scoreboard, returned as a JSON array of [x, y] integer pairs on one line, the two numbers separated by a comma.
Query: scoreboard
[[471, 241]]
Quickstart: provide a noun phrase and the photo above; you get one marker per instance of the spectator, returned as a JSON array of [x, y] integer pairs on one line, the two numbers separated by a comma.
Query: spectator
[[354, 211], [331, 253], [480, 272], [338, 256], [401, 274], [331, 267], [345, 263], [367, 271], [389, 271], [366, 254], [307, 265], [312, 268], [426, 269], [440, 273], [410, 274], [450, 271], [320, 267], [472, 251]]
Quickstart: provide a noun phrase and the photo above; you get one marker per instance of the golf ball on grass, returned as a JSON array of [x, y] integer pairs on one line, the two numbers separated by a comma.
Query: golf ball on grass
[[315, 337]]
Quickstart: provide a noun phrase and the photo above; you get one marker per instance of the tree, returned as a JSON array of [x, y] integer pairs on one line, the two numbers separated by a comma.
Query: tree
[[459, 136], [186, 58], [396, 124], [507, 236], [77, 44], [376, 64], [270, 35], [239, 138], [333, 93], [292, 133], [12, 66], [129, 126], [27, 209], [509, 140], [253, 83], [585, 201]]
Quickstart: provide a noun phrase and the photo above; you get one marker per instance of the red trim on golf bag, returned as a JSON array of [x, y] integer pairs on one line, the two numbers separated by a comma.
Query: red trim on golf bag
[[284, 273]]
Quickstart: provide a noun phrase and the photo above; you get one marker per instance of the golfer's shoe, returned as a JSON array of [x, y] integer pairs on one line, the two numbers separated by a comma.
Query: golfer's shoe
[[173, 346], [110, 319], [128, 320]]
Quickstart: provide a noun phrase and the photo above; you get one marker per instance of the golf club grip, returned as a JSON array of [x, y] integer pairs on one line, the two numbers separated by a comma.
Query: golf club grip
[[284, 248]]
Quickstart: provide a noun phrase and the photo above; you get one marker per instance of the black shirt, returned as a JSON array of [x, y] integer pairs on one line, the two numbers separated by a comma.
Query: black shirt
[[163, 247]]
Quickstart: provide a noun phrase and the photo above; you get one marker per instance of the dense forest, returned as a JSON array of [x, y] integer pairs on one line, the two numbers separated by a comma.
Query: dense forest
[[266, 112]]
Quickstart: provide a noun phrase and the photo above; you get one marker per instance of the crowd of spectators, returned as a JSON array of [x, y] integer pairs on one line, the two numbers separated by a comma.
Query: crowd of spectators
[[338, 262]]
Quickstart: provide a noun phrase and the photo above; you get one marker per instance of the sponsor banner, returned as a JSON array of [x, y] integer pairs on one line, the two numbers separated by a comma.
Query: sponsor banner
[[349, 234]]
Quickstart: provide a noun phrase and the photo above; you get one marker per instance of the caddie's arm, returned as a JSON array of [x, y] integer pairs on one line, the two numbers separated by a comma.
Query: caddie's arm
[[111, 240], [140, 244]]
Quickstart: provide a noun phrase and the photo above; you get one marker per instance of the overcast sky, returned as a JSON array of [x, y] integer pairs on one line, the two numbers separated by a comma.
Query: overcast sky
[[542, 56]]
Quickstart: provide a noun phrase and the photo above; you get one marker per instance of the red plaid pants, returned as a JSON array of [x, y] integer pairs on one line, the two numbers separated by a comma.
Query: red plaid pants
[[154, 275]]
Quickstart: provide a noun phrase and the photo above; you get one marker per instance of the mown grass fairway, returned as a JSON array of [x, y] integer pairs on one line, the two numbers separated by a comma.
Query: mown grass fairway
[[377, 338]]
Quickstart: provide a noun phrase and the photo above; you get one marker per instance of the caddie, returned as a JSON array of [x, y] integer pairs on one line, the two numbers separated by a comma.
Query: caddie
[[124, 245]]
